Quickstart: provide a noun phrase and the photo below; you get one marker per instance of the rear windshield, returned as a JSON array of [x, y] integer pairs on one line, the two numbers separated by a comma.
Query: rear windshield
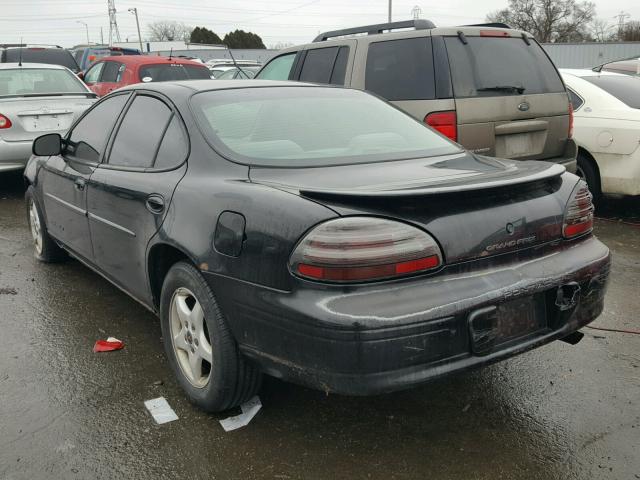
[[624, 88], [309, 126], [21, 81], [173, 71], [51, 56], [491, 66]]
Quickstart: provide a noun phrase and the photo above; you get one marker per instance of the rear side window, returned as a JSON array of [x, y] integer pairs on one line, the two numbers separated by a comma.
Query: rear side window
[[624, 88], [51, 56], [401, 69], [576, 101], [111, 72], [325, 65], [173, 149], [278, 68], [140, 133], [496, 66]]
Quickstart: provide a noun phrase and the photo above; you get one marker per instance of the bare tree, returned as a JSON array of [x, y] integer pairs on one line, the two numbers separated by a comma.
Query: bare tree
[[631, 32], [168, 30], [601, 30], [548, 20]]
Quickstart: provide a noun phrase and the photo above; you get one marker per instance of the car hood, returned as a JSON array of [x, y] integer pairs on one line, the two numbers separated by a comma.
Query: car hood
[[458, 172]]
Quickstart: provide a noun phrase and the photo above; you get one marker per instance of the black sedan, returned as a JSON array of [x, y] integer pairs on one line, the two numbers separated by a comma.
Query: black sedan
[[316, 234]]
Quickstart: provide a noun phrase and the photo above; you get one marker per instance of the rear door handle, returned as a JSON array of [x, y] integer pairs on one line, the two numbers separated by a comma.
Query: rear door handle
[[155, 203], [79, 184]]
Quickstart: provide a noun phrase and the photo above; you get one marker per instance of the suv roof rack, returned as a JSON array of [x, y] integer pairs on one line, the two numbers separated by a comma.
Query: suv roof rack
[[491, 24], [419, 24]]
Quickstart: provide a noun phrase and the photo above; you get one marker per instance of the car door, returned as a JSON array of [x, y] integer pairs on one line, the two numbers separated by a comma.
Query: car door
[[64, 177], [130, 192], [92, 77]]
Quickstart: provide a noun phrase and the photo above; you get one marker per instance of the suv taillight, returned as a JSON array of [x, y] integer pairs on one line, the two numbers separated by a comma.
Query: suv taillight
[[4, 122], [444, 122], [570, 135], [359, 249], [578, 215]]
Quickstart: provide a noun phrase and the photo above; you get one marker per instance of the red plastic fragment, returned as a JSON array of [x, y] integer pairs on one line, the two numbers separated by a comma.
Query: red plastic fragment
[[108, 345]]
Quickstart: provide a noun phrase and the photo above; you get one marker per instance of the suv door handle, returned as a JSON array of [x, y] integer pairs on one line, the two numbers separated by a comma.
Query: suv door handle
[[155, 203], [79, 184]]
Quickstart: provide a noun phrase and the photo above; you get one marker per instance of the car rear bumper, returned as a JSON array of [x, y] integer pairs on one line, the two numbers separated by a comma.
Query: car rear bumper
[[14, 155], [376, 338], [568, 160]]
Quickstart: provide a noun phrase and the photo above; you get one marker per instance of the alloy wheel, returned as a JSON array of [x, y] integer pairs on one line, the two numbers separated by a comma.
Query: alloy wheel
[[190, 337], [36, 228]]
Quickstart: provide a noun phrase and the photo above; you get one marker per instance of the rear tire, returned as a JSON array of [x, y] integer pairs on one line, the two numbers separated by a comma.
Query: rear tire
[[200, 347], [589, 173], [45, 248]]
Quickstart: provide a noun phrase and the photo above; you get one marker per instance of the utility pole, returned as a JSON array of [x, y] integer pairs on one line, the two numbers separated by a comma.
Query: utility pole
[[86, 27], [416, 12], [390, 11], [135, 12], [114, 34], [101, 37]]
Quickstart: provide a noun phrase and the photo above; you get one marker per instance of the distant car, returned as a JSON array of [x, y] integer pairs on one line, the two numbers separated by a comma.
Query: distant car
[[51, 55], [607, 129], [630, 66], [36, 99], [242, 73], [110, 73], [218, 66], [220, 70], [85, 56], [314, 233]]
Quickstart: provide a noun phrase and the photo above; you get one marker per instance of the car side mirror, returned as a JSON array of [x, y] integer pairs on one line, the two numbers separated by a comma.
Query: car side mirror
[[47, 145]]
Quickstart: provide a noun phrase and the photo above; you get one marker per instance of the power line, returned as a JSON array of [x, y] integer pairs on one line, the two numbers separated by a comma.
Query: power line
[[114, 34]]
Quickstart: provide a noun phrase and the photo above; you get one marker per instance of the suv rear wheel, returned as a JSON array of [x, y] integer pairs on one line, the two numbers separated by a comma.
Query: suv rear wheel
[[201, 350]]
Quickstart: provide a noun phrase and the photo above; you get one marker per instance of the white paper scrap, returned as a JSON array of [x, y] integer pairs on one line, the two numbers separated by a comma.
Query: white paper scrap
[[160, 410], [249, 410]]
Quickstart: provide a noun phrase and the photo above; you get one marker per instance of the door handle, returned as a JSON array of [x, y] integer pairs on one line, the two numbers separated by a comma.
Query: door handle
[[79, 184], [155, 203]]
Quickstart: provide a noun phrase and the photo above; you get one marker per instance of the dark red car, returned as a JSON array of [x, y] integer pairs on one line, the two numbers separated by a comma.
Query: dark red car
[[110, 73]]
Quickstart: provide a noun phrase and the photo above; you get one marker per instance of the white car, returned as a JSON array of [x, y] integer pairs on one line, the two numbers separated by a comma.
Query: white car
[[607, 129]]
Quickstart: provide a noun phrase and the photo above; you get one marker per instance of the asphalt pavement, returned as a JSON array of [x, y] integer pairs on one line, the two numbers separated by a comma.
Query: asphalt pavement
[[559, 412]]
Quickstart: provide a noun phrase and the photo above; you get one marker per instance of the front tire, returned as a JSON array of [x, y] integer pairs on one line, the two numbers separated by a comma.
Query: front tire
[[201, 350], [46, 249]]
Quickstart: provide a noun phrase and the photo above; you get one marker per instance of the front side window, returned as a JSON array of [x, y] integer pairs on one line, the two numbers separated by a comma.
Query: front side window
[[29, 81], [278, 69], [499, 66], [318, 65], [401, 69], [311, 126], [140, 132], [89, 137], [93, 74]]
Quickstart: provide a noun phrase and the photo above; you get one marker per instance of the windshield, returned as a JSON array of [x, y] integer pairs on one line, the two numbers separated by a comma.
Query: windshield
[[172, 72], [311, 126], [51, 56], [490, 67], [243, 73], [23, 81], [624, 88]]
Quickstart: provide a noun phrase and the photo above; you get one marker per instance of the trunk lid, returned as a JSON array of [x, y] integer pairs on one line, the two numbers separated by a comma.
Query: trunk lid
[[35, 116], [474, 206]]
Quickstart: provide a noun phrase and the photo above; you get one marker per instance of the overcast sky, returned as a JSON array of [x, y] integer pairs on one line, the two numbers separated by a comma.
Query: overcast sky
[[292, 21]]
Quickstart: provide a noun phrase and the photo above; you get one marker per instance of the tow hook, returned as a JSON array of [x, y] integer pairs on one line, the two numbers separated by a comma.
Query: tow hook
[[573, 338]]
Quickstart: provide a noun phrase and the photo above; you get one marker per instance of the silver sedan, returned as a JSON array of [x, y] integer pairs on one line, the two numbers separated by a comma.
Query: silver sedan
[[35, 99]]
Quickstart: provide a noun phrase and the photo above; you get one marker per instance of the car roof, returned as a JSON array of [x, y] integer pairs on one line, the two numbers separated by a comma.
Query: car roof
[[133, 60], [13, 65]]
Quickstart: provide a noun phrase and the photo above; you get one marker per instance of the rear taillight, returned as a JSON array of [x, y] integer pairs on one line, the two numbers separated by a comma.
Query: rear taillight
[[359, 249], [570, 134], [578, 215], [4, 122], [444, 122]]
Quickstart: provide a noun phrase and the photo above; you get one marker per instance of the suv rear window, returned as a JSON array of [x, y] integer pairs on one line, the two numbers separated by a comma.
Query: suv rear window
[[173, 71], [401, 69], [496, 66], [625, 88], [50, 56]]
